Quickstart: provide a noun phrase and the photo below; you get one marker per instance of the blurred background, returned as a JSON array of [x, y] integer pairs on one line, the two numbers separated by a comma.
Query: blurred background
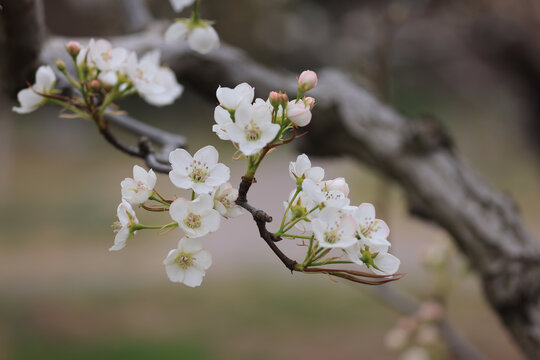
[[475, 65]]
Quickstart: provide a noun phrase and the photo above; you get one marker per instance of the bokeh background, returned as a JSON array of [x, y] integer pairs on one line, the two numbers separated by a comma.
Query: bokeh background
[[63, 295]]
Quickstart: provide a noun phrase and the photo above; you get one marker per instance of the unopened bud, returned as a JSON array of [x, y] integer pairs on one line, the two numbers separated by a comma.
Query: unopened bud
[[283, 99], [309, 102], [307, 81], [60, 65], [274, 98], [95, 85], [73, 48], [298, 211]]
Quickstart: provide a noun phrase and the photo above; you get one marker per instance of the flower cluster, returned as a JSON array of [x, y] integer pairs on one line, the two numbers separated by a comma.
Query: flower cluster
[[321, 211], [199, 33], [212, 197], [255, 125], [103, 72]]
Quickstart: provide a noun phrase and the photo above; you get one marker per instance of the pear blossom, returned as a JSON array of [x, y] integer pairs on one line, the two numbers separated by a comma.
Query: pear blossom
[[253, 128], [188, 263], [375, 257], [179, 5], [201, 36], [105, 57], [198, 217], [299, 112], [333, 229], [231, 99], [307, 81], [124, 226], [224, 201], [301, 169], [138, 189], [157, 85], [29, 100], [202, 173], [332, 193], [370, 230]]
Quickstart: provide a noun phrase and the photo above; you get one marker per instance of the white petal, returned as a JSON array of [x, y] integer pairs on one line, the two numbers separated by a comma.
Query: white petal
[[222, 116], [387, 263], [219, 174], [365, 213], [211, 220], [201, 188], [179, 180], [207, 155], [120, 240], [203, 39], [243, 114], [202, 260], [179, 209], [175, 273], [189, 245], [180, 158], [45, 78], [179, 5], [176, 31], [193, 277], [315, 173]]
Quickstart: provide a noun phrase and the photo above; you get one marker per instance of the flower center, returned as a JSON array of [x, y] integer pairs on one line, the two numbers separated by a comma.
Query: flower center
[[331, 237], [253, 132], [370, 227], [106, 56], [117, 226], [184, 260], [199, 172], [193, 221]]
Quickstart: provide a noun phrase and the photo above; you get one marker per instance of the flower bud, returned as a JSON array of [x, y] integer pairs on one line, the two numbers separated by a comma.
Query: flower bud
[[95, 85], [298, 211], [309, 102], [60, 65], [307, 81], [73, 48], [284, 99], [274, 98], [298, 113]]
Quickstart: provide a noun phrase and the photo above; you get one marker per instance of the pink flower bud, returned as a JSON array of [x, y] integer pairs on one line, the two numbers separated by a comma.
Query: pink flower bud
[[94, 84], [307, 81], [284, 99], [310, 102], [274, 98], [73, 48]]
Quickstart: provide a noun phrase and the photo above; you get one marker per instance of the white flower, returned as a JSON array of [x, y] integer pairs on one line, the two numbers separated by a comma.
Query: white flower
[[299, 113], [222, 118], [138, 189], [224, 201], [198, 217], [29, 100], [123, 227], [253, 128], [371, 230], [201, 37], [157, 85], [302, 169], [332, 193], [334, 230], [375, 257], [202, 173], [188, 263], [231, 99], [105, 57], [179, 5]]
